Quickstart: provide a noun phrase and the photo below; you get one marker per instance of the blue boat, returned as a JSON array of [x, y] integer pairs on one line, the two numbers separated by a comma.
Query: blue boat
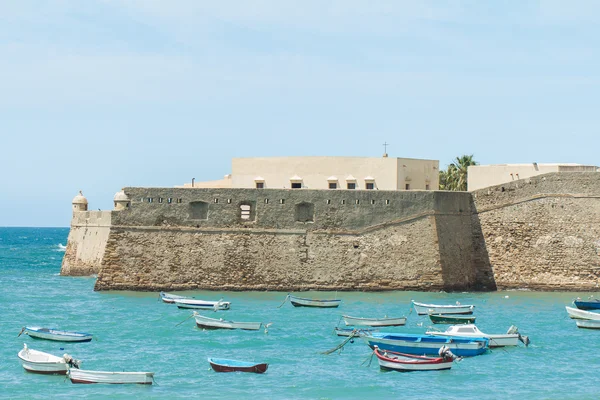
[[590, 304], [224, 365], [418, 344]]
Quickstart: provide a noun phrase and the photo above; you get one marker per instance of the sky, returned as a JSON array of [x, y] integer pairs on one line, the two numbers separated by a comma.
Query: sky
[[97, 95]]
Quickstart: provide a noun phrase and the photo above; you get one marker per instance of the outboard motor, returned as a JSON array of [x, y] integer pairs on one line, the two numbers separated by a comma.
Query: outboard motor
[[71, 362], [524, 339], [446, 354]]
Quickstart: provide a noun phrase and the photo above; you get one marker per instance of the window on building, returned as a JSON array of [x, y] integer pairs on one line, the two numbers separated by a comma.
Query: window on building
[[427, 186], [160, 199], [216, 201], [387, 202], [370, 186], [245, 211], [282, 201], [332, 185], [266, 201], [296, 185], [372, 201], [149, 199], [351, 185], [179, 201], [357, 201], [260, 185], [170, 200], [407, 186]]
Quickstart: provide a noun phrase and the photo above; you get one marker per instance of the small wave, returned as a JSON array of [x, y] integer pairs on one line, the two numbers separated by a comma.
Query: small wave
[[61, 247]]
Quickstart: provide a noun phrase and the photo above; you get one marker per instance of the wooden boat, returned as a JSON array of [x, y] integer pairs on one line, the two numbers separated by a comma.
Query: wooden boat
[[170, 298], [202, 304], [588, 323], [223, 365], [350, 331], [426, 344], [576, 313], [451, 319], [589, 304], [45, 363], [213, 323], [56, 334], [394, 361], [86, 376], [511, 338], [355, 321], [303, 302], [424, 309]]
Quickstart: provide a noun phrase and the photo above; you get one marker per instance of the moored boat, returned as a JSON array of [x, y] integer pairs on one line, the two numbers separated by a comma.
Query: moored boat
[[86, 376], [418, 344], [451, 319], [44, 363], [356, 321], [588, 323], [576, 313], [511, 338], [224, 365], [202, 304], [55, 334], [395, 361], [589, 304], [213, 323], [424, 309], [170, 298], [304, 302], [353, 331]]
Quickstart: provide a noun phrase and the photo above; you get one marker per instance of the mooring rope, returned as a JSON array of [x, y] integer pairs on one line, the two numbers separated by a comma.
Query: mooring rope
[[193, 315], [341, 345], [284, 300]]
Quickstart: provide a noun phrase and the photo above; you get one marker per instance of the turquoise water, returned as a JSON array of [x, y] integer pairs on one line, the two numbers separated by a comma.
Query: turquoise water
[[135, 332]]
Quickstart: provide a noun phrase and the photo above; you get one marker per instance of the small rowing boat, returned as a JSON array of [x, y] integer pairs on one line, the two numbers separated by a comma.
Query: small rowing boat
[[588, 323], [589, 304], [424, 309], [451, 319], [202, 304], [418, 344], [85, 376], [55, 334], [318, 303], [395, 361], [170, 298], [44, 363], [356, 321], [213, 323], [223, 365], [353, 331], [576, 313]]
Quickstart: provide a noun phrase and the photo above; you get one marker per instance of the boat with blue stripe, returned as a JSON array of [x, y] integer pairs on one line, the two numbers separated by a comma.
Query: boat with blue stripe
[[56, 334], [419, 344]]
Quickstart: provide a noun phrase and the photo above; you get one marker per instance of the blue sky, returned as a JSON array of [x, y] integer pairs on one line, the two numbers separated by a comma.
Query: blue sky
[[98, 95]]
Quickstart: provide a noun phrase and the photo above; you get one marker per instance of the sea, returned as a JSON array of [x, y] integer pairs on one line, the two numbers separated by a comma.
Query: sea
[[134, 331]]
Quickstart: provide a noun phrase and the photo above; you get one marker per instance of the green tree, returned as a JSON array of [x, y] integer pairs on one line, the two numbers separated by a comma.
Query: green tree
[[455, 176]]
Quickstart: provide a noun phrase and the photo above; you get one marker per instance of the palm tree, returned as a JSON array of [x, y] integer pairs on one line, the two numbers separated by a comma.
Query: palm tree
[[455, 176]]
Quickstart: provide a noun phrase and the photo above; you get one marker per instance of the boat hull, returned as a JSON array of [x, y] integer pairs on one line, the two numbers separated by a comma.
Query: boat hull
[[448, 319], [85, 376], [576, 313], [51, 365], [357, 332], [170, 298], [424, 309], [202, 305], [302, 302], [211, 323], [427, 344], [587, 305], [378, 322], [588, 323], [57, 336], [219, 365], [406, 363]]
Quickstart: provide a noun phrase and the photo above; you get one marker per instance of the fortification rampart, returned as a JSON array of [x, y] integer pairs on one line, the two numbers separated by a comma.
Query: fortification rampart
[[86, 242]]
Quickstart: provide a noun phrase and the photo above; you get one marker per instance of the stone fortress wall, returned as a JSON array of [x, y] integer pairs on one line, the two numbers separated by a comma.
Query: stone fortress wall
[[540, 233]]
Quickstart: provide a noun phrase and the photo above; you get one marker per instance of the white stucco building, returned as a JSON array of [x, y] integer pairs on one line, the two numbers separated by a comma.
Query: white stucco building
[[332, 173], [481, 176]]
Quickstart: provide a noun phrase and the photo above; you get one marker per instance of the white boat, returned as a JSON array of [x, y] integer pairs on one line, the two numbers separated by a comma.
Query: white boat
[[356, 321], [304, 302], [588, 323], [213, 323], [576, 313], [511, 338], [394, 361], [85, 376], [202, 304], [170, 298], [45, 363], [425, 309], [56, 334]]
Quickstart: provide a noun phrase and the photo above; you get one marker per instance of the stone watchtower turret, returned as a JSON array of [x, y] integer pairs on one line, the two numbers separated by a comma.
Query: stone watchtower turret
[[80, 203], [121, 200]]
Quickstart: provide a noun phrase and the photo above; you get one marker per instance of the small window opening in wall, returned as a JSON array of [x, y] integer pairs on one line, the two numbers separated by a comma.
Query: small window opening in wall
[[351, 185], [260, 185], [281, 201], [357, 201], [179, 200], [328, 201], [296, 185], [370, 186], [245, 211], [332, 185], [387, 202], [169, 200], [343, 201], [149, 199], [407, 186], [355, 245], [427, 186], [372, 201], [266, 201], [228, 201], [216, 201], [160, 199]]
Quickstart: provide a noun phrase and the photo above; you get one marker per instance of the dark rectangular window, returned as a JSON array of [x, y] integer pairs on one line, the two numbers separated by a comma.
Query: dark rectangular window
[[370, 185], [332, 185], [296, 185], [170, 200], [427, 186], [260, 185], [351, 185], [407, 186]]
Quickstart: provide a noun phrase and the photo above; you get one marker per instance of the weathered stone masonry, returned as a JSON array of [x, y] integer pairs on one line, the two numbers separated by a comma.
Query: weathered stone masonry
[[541, 233]]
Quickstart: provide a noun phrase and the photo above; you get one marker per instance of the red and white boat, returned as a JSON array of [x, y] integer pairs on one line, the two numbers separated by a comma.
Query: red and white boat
[[393, 361]]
